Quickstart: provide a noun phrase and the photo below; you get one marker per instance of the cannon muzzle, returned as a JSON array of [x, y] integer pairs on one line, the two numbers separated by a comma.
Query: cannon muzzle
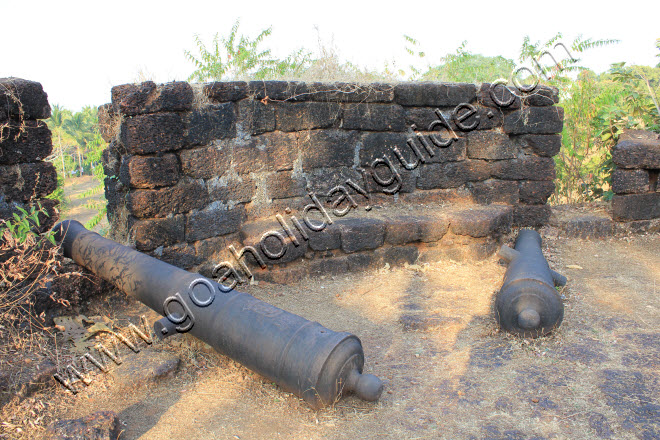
[[528, 303], [303, 357]]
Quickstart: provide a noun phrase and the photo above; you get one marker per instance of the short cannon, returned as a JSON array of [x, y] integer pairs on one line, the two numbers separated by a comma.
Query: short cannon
[[528, 303], [303, 357]]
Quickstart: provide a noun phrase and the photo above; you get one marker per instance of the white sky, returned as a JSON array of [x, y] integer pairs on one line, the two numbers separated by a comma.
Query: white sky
[[78, 50]]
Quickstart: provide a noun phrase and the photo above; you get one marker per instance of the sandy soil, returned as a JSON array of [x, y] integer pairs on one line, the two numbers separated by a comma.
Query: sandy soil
[[457, 377]]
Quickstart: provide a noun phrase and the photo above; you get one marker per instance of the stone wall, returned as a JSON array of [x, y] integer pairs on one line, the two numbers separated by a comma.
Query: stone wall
[[25, 142], [194, 168], [635, 179]]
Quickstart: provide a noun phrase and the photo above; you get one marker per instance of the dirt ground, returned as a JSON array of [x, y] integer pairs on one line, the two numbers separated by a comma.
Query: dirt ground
[[450, 374], [74, 188]]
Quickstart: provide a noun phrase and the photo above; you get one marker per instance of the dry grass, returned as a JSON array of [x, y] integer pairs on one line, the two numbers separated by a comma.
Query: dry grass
[[25, 267]]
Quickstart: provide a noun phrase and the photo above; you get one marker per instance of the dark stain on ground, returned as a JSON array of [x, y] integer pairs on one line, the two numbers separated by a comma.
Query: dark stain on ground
[[633, 395]]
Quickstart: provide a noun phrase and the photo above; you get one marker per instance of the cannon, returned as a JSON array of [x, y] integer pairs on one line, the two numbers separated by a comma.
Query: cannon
[[301, 356], [528, 303]]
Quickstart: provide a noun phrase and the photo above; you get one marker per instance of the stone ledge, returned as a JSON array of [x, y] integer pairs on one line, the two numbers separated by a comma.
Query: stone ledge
[[368, 240], [593, 221]]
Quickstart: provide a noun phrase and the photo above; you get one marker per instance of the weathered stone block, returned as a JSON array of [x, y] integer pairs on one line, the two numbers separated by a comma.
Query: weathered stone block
[[360, 234], [24, 181], [103, 424], [328, 148], [451, 174], [278, 90], [535, 120], [21, 98], [536, 192], [115, 198], [639, 153], [531, 215], [398, 255], [184, 197], [149, 172], [325, 240], [527, 168], [437, 94], [111, 160], [275, 151], [489, 145], [215, 250], [546, 145], [422, 118], [462, 248], [406, 185], [636, 206], [147, 97], [211, 122], [634, 135], [364, 261], [213, 222], [541, 96], [630, 181], [31, 144], [402, 229], [328, 266], [379, 144], [350, 92], [107, 122], [481, 221], [231, 190], [205, 162], [254, 117], [152, 133], [495, 191], [149, 234], [223, 91], [433, 197], [182, 255], [456, 151], [373, 117], [272, 242], [584, 226], [504, 95], [296, 116], [321, 180], [433, 227], [282, 185], [409, 229], [285, 276]]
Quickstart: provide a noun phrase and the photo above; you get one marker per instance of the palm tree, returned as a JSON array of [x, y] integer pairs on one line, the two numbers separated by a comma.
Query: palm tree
[[78, 127], [56, 122]]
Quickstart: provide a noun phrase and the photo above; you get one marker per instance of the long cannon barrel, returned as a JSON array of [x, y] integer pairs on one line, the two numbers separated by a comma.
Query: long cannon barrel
[[528, 303], [303, 357]]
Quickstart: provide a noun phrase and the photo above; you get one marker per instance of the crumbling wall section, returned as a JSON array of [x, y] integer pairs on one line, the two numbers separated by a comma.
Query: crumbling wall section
[[635, 179], [25, 142]]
